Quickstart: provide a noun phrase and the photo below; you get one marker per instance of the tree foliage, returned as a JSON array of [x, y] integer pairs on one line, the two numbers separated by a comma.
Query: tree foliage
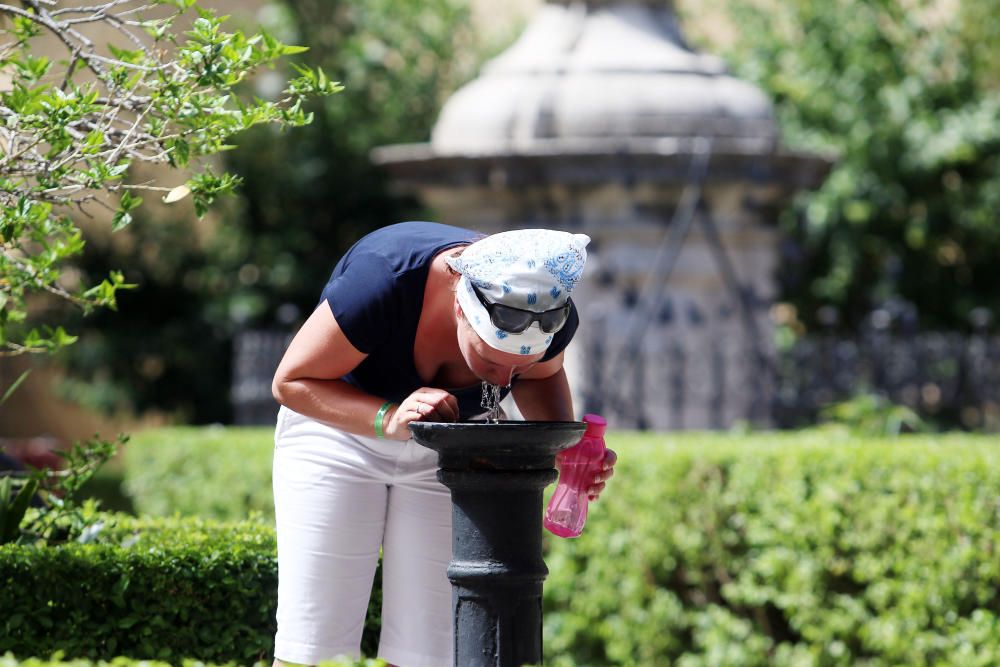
[[906, 94], [318, 191], [160, 91], [307, 196]]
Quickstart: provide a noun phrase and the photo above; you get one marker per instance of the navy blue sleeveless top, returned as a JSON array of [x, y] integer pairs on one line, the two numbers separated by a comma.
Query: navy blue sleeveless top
[[376, 293]]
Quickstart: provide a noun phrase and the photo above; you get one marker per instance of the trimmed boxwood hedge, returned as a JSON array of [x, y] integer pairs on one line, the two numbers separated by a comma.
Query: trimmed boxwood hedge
[[217, 472], [163, 589], [803, 548], [793, 549]]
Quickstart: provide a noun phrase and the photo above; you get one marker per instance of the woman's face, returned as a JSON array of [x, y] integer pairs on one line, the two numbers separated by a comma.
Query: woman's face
[[487, 363]]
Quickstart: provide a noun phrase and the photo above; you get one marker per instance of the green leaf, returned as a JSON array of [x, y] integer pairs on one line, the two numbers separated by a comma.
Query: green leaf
[[179, 152], [93, 142], [13, 387], [6, 490], [25, 28], [11, 528], [133, 57], [157, 28], [61, 338], [129, 201], [120, 221]]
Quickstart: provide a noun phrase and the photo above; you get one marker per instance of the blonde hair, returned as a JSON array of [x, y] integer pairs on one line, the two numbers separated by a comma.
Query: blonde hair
[[455, 255]]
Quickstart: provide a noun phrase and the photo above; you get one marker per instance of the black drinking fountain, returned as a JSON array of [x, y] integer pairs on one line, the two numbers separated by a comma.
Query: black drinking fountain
[[497, 472]]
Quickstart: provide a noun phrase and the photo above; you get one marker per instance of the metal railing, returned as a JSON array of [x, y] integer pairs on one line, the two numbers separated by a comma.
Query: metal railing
[[950, 378]]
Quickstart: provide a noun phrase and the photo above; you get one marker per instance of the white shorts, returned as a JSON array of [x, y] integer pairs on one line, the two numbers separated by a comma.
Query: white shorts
[[338, 498]]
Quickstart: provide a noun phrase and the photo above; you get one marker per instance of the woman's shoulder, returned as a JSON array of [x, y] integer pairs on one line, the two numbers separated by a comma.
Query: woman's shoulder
[[418, 233], [406, 246]]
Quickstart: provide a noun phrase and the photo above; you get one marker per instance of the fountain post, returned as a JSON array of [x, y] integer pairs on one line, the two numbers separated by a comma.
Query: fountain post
[[497, 473]]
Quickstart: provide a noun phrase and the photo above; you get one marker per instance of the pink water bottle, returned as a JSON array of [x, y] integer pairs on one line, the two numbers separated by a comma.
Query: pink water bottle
[[567, 510]]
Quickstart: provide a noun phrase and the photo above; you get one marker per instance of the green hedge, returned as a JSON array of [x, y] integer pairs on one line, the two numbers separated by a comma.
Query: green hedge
[[792, 549], [808, 548], [163, 589], [214, 472]]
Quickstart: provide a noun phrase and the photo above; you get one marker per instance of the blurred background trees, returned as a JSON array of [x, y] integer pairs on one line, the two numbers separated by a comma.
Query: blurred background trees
[[906, 94]]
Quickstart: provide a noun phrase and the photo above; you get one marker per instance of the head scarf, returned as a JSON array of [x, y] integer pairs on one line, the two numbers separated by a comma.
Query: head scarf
[[528, 269]]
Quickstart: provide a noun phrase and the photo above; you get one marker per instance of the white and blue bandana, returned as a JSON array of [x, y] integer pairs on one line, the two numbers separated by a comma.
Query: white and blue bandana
[[530, 269]]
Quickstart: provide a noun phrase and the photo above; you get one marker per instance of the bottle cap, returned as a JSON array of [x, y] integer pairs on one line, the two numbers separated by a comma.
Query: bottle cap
[[596, 425]]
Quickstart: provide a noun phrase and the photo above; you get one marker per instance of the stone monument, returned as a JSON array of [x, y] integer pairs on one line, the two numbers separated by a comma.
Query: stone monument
[[600, 119]]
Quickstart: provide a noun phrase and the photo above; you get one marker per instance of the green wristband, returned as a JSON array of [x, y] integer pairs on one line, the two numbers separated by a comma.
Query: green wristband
[[380, 417]]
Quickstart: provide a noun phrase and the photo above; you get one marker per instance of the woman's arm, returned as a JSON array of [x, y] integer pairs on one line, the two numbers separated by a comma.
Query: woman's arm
[[307, 381], [543, 394]]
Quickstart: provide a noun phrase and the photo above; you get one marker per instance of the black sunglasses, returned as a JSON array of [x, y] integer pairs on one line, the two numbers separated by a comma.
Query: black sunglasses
[[514, 320]]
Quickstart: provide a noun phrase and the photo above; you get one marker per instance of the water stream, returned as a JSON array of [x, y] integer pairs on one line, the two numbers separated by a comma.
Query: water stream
[[491, 402]]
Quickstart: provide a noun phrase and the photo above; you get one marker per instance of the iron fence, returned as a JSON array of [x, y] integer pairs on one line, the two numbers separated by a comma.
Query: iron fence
[[952, 379]]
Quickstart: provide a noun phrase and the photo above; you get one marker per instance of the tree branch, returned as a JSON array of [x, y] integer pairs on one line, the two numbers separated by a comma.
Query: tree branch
[[43, 19], [40, 283]]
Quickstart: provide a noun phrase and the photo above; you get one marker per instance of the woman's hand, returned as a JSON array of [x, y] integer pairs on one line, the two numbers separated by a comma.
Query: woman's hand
[[603, 475], [426, 404]]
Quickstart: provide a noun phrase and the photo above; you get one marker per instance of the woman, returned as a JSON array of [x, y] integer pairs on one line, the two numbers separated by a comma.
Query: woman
[[415, 317]]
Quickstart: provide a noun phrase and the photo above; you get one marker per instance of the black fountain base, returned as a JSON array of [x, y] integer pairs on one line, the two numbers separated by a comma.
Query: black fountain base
[[497, 472]]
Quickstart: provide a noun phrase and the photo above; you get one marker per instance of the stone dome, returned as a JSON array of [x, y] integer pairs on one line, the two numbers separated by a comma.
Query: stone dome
[[603, 74]]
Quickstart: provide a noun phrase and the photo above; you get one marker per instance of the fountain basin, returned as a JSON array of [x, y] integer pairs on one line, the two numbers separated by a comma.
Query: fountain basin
[[503, 445]]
